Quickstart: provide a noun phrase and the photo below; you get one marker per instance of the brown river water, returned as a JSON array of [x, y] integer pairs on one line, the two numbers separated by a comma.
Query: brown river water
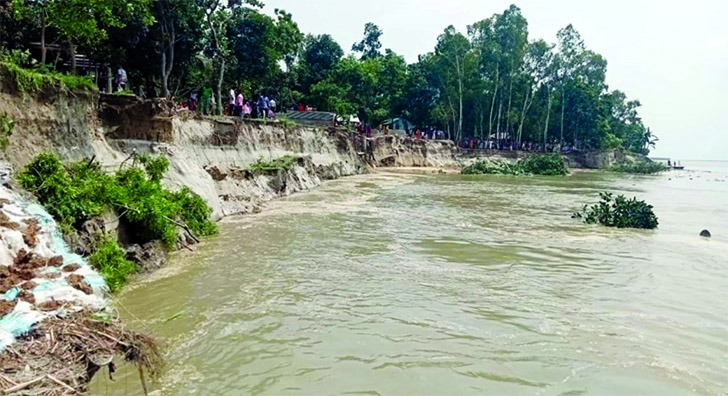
[[419, 284]]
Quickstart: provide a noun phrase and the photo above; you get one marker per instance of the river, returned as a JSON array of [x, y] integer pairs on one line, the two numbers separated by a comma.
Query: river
[[430, 284]]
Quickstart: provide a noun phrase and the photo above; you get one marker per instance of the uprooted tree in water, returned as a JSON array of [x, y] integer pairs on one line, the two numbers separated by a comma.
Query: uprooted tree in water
[[535, 164], [619, 212]]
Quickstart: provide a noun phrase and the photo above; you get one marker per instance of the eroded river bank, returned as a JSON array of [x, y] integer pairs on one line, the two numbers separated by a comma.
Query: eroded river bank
[[397, 283]]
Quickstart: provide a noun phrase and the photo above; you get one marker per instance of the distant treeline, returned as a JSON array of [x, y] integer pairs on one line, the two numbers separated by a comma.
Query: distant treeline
[[491, 81]]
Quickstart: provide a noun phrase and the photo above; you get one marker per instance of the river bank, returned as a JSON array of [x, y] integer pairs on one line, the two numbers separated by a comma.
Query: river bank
[[216, 158]]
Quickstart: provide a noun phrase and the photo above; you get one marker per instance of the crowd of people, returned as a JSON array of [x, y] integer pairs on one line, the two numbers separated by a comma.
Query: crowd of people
[[510, 145], [203, 100]]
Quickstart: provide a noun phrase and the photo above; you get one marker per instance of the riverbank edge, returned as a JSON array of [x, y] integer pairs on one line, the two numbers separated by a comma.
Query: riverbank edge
[[210, 156]]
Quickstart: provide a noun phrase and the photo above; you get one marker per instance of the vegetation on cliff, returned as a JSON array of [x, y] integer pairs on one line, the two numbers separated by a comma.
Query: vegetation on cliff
[[640, 167], [619, 212], [535, 164], [18, 69], [81, 191], [6, 129], [285, 163]]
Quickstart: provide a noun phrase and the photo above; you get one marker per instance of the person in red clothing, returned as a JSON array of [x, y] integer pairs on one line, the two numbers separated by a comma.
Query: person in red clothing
[[300, 107]]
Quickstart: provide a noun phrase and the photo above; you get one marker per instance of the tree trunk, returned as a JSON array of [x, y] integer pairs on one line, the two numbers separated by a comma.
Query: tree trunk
[[563, 104], [492, 105], [167, 67], [526, 106], [218, 107], [497, 128], [43, 49], [72, 50], [510, 96], [548, 118]]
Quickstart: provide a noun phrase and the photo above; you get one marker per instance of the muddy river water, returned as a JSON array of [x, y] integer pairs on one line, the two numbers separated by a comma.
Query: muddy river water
[[422, 284]]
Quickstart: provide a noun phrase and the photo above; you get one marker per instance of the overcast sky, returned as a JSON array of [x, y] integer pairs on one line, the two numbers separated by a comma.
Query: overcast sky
[[671, 55]]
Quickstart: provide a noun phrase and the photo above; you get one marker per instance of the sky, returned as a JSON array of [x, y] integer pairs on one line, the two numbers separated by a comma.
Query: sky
[[671, 55]]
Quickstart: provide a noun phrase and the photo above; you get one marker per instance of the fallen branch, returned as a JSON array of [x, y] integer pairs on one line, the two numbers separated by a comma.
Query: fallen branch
[[59, 382], [22, 386]]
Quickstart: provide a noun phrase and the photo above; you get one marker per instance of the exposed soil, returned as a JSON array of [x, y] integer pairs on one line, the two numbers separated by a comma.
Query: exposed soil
[[7, 223], [30, 233], [27, 297], [76, 281], [70, 268], [6, 307]]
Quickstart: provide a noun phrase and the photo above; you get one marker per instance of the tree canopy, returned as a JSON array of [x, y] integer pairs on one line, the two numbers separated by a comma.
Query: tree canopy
[[491, 82]]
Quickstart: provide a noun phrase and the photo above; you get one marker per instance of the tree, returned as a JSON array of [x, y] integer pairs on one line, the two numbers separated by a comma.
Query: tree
[[87, 21], [176, 21], [370, 46], [36, 12], [453, 63], [320, 55]]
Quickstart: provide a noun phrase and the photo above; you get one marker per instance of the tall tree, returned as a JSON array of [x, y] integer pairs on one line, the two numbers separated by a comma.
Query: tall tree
[[370, 46]]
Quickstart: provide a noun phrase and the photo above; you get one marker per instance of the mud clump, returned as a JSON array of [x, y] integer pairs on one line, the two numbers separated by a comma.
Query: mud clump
[[6, 307], [56, 261], [30, 233], [48, 306], [77, 282], [27, 296], [70, 268], [5, 222]]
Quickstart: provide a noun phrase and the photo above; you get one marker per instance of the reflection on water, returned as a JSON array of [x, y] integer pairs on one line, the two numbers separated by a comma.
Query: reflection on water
[[444, 284]]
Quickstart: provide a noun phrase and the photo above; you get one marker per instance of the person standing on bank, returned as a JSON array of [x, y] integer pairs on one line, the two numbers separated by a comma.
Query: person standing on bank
[[120, 79]]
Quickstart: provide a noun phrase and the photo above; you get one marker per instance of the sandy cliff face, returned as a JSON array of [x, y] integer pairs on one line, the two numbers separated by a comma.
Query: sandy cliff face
[[209, 156], [402, 151]]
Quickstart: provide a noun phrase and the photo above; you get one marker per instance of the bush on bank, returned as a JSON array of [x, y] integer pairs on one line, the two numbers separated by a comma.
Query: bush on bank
[[80, 191], [619, 212], [640, 167], [536, 164]]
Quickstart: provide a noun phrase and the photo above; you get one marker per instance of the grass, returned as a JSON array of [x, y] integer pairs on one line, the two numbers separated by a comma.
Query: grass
[[6, 129], [285, 163], [536, 164], [619, 212], [39, 78], [641, 167], [80, 191]]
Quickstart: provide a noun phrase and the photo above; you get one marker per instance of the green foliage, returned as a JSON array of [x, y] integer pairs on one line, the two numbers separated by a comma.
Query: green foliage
[[536, 164], [33, 81], [544, 164], [6, 129], [285, 163], [155, 166], [640, 167], [619, 212], [80, 191], [493, 167], [109, 259]]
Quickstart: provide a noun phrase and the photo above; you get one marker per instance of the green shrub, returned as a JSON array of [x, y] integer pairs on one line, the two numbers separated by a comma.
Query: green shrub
[[6, 129], [110, 260], [80, 191], [285, 163], [75, 193], [544, 164], [619, 212], [640, 167], [494, 167], [536, 164]]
